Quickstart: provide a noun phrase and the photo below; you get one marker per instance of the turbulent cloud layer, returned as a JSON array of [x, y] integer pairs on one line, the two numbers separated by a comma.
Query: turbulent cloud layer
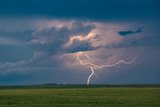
[[39, 45]]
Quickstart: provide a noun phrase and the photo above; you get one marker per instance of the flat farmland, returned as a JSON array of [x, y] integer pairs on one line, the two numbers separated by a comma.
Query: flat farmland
[[49, 96]]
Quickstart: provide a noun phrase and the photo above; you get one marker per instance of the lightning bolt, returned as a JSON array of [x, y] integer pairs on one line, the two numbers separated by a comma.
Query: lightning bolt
[[94, 66]]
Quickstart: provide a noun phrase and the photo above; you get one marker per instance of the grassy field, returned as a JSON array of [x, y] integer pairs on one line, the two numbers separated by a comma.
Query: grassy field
[[48, 96]]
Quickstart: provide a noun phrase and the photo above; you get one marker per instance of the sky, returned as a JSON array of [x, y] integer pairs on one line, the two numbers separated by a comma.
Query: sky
[[56, 41]]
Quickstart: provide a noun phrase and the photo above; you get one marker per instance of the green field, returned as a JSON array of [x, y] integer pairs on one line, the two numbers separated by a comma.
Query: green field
[[48, 96]]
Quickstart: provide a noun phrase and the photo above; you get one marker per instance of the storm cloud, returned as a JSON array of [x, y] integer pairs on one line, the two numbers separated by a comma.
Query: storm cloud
[[53, 39], [90, 9], [126, 33], [40, 40]]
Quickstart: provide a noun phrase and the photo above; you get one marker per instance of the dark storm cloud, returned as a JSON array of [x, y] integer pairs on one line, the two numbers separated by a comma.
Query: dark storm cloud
[[53, 39], [38, 50], [34, 34], [92, 9], [127, 33], [13, 46], [78, 46]]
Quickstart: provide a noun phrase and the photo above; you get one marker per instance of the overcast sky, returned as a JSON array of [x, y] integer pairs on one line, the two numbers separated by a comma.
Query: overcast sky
[[40, 41]]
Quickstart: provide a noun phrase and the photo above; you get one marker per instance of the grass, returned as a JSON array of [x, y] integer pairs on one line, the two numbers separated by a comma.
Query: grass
[[48, 96]]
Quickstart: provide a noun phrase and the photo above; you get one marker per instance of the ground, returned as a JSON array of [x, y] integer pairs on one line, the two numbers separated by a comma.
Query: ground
[[48, 96]]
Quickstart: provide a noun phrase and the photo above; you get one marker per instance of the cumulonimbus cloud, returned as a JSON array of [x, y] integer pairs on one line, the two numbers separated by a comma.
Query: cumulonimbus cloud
[[64, 38]]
